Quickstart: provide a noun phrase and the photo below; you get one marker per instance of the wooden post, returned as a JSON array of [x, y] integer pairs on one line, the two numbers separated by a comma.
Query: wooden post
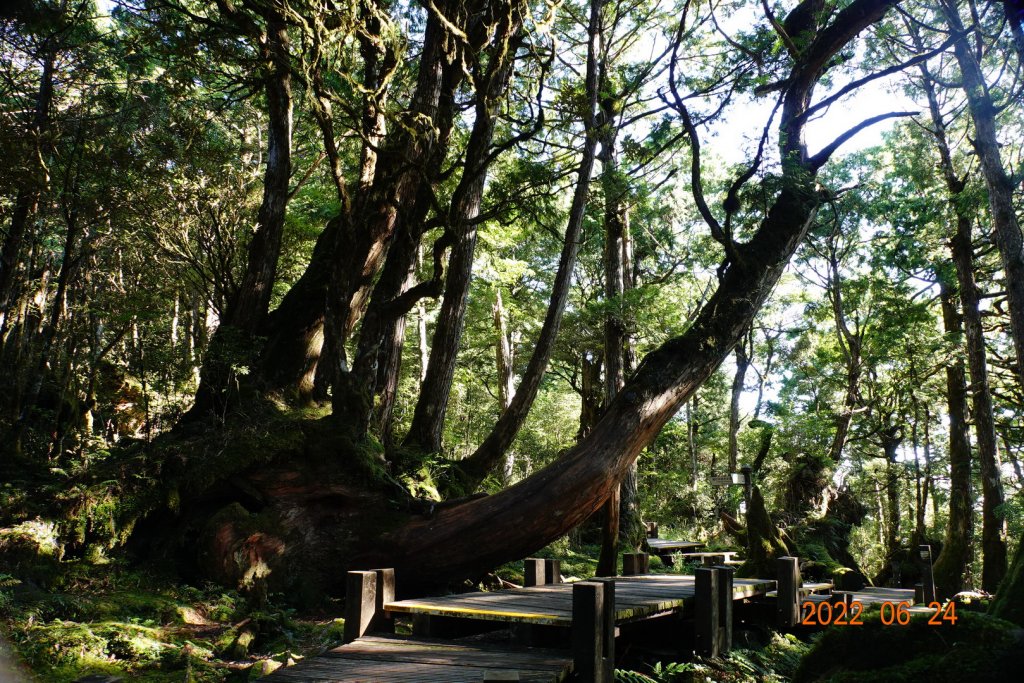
[[385, 593], [725, 603], [552, 571], [918, 593], [927, 576], [533, 572], [706, 618], [360, 603], [592, 649], [608, 619], [634, 564], [788, 599], [652, 529]]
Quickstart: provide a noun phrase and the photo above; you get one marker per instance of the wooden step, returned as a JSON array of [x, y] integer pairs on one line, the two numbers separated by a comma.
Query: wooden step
[[394, 659]]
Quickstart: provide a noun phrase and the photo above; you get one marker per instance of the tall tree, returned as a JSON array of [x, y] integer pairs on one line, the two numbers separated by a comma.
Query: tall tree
[[1010, 241]]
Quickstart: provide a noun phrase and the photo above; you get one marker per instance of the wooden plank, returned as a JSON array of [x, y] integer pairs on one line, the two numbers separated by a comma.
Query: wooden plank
[[391, 658], [432, 654], [660, 545], [636, 597], [353, 671]]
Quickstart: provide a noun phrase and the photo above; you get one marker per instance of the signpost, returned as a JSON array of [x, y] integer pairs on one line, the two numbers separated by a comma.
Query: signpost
[[742, 478]]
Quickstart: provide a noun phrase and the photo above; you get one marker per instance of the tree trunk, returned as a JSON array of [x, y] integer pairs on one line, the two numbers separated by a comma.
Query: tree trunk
[[1009, 602], [503, 360], [691, 439], [742, 363], [591, 391], [425, 432], [891, 440], [247, 308], [489, 454], [993, 545], [952, 563], [850, 342], [1005, 226], [961, 247], [351, 250], [1014, 10], [28, 195]]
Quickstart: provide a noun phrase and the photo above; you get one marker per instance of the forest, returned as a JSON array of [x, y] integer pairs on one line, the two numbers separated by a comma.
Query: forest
[[290, 288]]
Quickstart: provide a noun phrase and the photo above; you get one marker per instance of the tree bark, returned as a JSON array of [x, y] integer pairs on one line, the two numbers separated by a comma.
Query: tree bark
[[850, 343], [951, 565], [742, 363], [993, 545], [425, 432], [28, 195], [247, 309], [961, 247], [591, 391], [491, 451], [351, 250], [1006, 229]]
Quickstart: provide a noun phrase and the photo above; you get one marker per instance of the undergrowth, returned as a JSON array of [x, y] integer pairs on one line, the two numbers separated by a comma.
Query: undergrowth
[[774, 663], [143, 626]]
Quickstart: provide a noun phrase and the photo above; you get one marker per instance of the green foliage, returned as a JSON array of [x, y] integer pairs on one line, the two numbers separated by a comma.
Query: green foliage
[[977, 647], [147, 627]]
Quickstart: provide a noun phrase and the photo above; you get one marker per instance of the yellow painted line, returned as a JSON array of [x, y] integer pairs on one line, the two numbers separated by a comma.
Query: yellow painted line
[[416, 607]]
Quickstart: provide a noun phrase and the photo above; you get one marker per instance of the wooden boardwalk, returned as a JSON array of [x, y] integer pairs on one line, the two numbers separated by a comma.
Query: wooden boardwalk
[[387, 659], [636, 598]]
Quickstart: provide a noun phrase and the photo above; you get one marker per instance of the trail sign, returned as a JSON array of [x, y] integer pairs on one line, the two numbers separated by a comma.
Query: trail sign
[[733, 479]]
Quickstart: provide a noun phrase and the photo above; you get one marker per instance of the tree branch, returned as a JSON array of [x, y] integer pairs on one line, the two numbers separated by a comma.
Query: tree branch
[[819, 159]]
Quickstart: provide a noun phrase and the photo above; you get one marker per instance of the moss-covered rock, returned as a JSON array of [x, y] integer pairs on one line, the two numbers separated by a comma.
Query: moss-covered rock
[[977, 648]]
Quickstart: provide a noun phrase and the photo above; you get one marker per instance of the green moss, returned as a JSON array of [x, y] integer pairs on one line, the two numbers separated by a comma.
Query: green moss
[[144, 627], [1009, 601], [977, 648]]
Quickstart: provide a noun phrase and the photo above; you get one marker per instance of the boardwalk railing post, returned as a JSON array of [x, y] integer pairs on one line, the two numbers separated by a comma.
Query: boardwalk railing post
[[534, 573], [725, 603], [634, 564], [927, 576], [552, 571], [706, 618], [788, 598], [360, 603], [608, 621], [385, 593], [591, 649]]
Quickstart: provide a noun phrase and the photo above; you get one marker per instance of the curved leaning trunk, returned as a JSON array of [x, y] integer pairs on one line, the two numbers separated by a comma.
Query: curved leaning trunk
[[461, 540]]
